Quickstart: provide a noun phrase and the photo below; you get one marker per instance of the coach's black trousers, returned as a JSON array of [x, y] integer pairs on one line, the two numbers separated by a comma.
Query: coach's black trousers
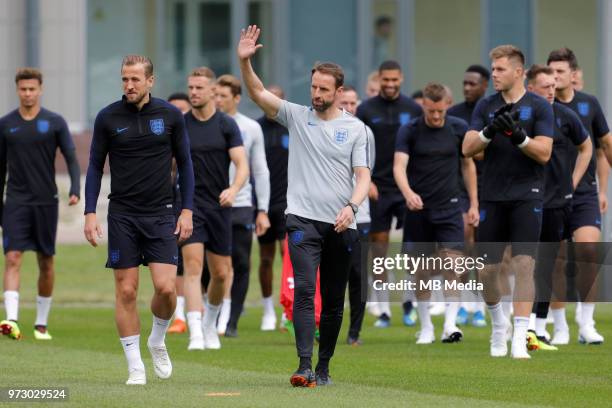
[[358, 282], [242, 240], [315, 244]]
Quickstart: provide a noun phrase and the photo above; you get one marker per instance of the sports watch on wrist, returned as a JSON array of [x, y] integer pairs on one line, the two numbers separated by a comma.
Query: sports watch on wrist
[[354, 207]]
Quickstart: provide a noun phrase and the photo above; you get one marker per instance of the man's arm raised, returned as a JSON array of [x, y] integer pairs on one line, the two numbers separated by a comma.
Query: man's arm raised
[[247, 47]]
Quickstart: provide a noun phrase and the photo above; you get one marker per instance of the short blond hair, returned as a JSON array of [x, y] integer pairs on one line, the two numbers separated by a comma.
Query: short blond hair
[[231, 82], [203, 72], [509, 51], [134, 59]]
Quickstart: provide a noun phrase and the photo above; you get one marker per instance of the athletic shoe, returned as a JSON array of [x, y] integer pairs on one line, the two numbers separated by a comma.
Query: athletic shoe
[[426, 336], [137, 377], [354, 341], [373, 308], [545, 344], [268, 322], [588, 335], [41, 333], [462, 317], [161, 360], [231, 331], [196, 343], [383, 321], [410, 319], [10, 328], [519, 350], [499, 343], [303, 378], [532, 341], [178, 326], [211, 338], [452, 336], [322, 378], [561, 337], [478, 319]]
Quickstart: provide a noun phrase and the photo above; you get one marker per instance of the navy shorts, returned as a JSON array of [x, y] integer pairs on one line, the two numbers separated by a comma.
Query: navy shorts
[[516, 222], [29, 227], [555, 224], [464, 202], [425, 228], [134, 241], [278, 227], [389, 205], [585, 212], [213, 228]]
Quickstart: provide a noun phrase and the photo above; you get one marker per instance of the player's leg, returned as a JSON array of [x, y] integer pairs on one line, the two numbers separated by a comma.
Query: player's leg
[[357, 284], [12, 265], [46, 279], [305, 252], [561, 334], [193, 260], [267, 251], [179, 324], [468, 238], [334, 271]]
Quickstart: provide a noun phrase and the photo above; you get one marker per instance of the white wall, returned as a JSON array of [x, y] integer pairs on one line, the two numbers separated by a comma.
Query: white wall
[[12, 49]]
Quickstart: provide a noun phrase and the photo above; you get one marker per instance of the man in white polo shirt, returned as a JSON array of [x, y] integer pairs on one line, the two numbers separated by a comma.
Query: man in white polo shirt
[[327, 146]]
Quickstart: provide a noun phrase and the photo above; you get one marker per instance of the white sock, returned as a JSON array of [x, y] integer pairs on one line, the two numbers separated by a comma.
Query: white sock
[[450, 313], [587, 313], [498, 317], [131, 348], [532, 322], [179, 312], [158, 331], [11, 304], [43, 305], [383, 303], [224, 314], [540, 326], [268, 306], [520, 330], [424, 316], [211, 313], [559, 318], [194, 322], [506, 302]]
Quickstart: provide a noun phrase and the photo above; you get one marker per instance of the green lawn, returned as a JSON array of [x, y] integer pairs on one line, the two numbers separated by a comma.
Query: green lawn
[[253, 370]]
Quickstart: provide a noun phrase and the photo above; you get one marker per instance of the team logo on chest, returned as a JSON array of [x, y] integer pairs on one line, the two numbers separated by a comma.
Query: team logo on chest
[[341, 135], [42, 125], [157, 126], [583, 108], [404, 118], [525, 112], [285, 141]]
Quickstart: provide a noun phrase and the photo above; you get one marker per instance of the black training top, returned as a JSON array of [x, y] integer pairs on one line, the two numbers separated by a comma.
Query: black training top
[[27, 149], [569, 132], [591, 115], [276, 139], [433, 156], [210, 142], [508, 174], [140, 146], [462, 110], [384, 117]]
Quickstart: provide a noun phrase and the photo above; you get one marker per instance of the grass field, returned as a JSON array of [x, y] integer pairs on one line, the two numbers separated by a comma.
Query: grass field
[[253, 370]]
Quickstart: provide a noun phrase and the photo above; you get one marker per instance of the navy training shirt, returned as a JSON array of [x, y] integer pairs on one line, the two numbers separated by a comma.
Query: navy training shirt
[[569, 132], [433, 156], [385, 117], [27, 150], [210, 142], [276, 139], [591, 115], [508, 174], [140, 146]]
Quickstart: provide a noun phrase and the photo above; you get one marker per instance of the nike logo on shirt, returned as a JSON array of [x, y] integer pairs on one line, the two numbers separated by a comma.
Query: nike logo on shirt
[[13, 130], [122, 129]]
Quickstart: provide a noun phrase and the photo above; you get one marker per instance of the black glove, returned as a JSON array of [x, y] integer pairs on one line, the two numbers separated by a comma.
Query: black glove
[[496, 126], [511, 127]]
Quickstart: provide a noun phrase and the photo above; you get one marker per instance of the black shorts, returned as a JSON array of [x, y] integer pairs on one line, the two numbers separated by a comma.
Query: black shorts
[[134, 241], [29, 227], [426, 228], [213, 228], [464, 202], [555, 224], [516, 222], [278, 227], [585, 212], [389, 205], [243, 217]]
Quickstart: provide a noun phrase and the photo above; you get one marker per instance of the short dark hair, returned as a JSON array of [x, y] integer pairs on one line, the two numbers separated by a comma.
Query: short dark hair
[[350, 88], [178, 96], [417, 94], [382, 20], [435, 91], [139, 59], [508, 51], [231, 82], [479, 69], [329, 68], [537, 69], [28, 73], [563, 54], [389, 65]]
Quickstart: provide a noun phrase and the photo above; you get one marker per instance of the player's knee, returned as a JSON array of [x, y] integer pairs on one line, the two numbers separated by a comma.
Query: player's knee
[[267, 262], [165, 291], [13, 259], [192, 268], [126, 294]]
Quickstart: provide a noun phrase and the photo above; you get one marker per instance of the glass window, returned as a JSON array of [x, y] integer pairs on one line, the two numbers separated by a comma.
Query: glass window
[[384, 31], [214, 44]]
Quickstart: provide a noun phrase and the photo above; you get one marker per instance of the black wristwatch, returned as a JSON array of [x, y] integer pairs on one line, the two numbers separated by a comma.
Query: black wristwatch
[[354, 207]]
